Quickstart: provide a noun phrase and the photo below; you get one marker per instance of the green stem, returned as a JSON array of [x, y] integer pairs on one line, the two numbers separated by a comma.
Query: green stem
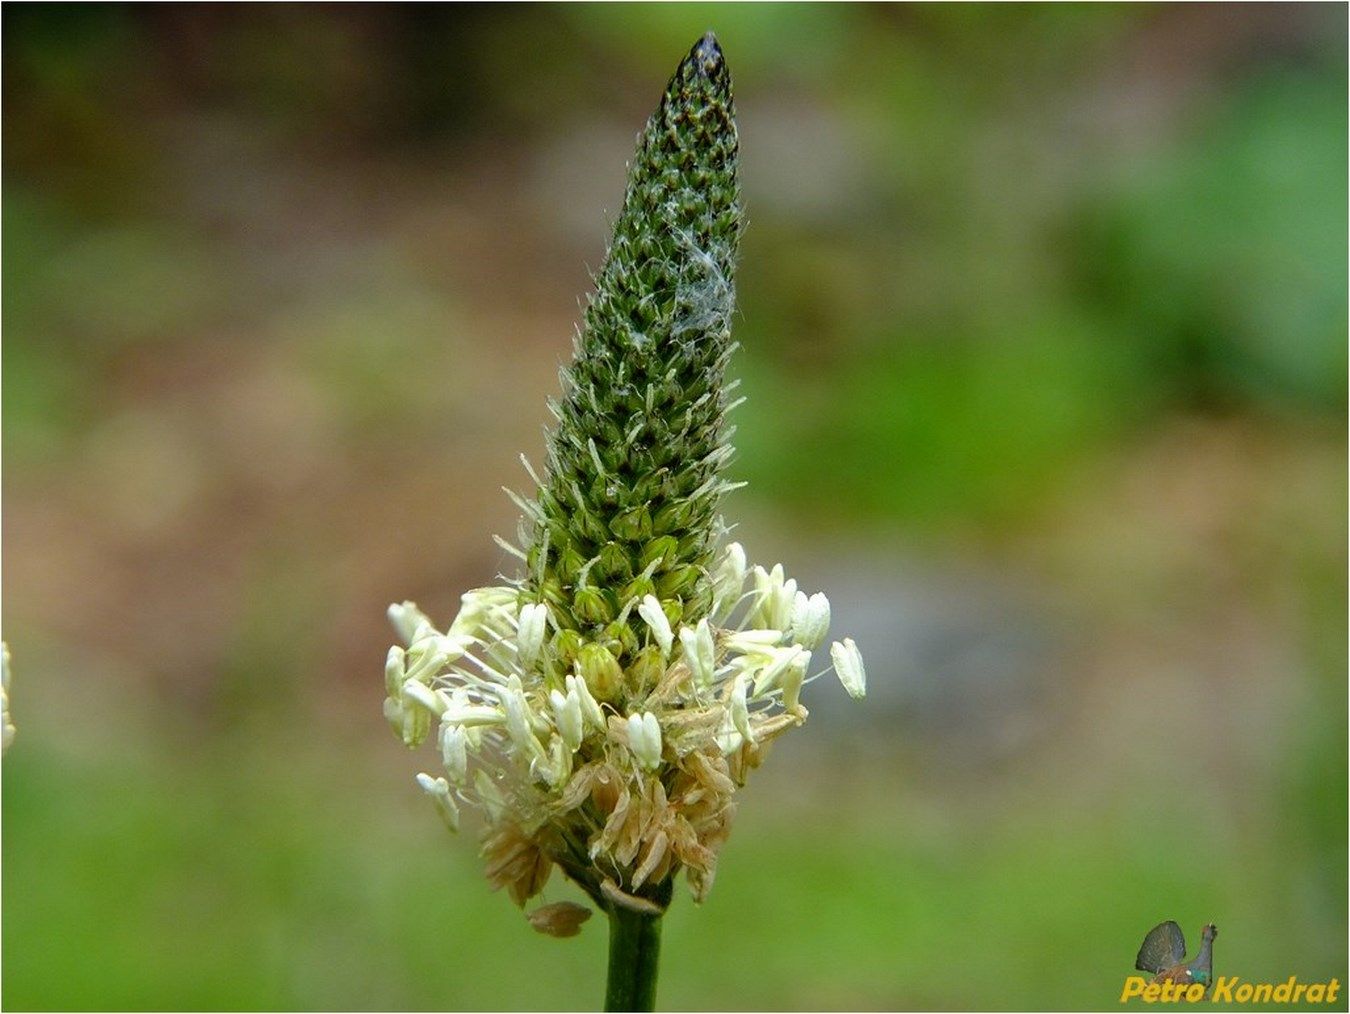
[[634, 949]]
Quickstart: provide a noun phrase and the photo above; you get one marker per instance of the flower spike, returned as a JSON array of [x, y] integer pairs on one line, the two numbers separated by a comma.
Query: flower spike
[[601, 709]]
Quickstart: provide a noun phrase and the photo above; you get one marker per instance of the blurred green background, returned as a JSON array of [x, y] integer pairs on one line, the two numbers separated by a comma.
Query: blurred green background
[[1043, 314]]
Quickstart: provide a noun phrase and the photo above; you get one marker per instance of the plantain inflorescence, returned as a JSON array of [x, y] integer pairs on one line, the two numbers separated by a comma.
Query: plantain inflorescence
[[602, 707]]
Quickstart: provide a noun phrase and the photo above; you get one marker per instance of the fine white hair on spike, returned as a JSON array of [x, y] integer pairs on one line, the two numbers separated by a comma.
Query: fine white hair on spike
[[529, 508], [513, 550], [530, 469]]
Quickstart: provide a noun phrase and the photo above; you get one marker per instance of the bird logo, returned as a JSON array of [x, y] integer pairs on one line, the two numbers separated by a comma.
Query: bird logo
[[1163, 953]]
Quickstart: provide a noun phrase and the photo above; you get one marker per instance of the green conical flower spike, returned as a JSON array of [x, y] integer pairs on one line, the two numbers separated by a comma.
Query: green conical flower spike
[[602, 708], [629, 505]]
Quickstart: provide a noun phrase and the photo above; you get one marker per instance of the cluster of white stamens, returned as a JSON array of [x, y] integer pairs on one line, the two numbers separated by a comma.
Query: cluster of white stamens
[[554, 746]]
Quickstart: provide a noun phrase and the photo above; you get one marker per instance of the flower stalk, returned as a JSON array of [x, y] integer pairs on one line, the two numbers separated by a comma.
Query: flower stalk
[[634, 955], [601, 708]]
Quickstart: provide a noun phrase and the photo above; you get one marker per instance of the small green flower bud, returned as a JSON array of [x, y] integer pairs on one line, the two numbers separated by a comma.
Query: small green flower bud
[[570, 563], [646, 670], [673, 517], [551, 591], [679, 581], [637, 589], [593, 605], [619, 638], [566, 645], [698, 602], [591, 527], [633, 525], [612, 563], [601, 671], [660, 551], [674, 610]]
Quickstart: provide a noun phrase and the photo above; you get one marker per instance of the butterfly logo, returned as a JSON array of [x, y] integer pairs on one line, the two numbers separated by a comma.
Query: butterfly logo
[[1163, 953]]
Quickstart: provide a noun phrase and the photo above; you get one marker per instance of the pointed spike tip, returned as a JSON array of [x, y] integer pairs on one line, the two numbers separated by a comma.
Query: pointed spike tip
[[707, 54]]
